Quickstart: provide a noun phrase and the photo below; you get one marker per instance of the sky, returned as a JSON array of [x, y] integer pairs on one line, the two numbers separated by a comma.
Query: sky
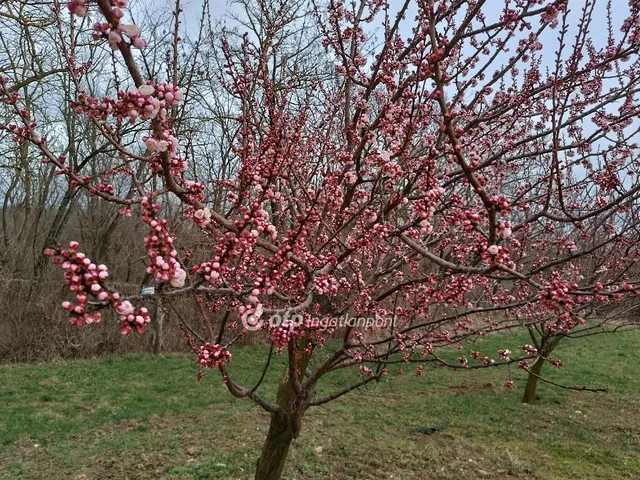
[[220, 9]]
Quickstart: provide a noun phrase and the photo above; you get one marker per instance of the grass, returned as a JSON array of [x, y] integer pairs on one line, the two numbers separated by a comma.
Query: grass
[[144, 417]]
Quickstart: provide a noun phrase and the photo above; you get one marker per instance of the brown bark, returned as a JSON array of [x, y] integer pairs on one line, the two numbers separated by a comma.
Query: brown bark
[[548, 346], [532, 382], [276, 447], [285, 424]]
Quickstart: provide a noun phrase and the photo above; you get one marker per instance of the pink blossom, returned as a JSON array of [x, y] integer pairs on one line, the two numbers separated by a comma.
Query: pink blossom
[[78, 7], [114, 38], [139, 43], [125, 308], [130, 31], [178, 279], [152, 144], [146, 90], [210, 356]]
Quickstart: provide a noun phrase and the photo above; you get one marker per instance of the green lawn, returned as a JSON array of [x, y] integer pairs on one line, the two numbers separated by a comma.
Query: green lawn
[[144, 417]]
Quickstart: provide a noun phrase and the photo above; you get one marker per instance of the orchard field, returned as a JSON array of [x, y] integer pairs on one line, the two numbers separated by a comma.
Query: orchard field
[[145, 417]]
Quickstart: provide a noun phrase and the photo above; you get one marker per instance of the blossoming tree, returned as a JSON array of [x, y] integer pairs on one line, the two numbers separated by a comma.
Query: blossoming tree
[[462, 175]]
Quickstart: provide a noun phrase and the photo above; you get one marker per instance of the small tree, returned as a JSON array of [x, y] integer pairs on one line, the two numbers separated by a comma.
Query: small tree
[[606, 261], [443, 182]]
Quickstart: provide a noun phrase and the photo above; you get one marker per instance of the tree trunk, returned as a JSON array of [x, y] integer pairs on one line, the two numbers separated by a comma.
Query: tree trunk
[[548, 345], [276, 447], [285, 424], [532, 382]]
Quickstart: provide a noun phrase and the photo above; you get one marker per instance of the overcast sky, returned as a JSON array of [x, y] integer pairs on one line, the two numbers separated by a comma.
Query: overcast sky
[[219, 9]]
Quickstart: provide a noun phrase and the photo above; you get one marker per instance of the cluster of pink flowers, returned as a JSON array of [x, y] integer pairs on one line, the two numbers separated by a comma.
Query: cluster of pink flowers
[[283, 333], [556, 294], [551, 13], [78, 7], [365, 371], [105, 187], [498, 254], [114, 35], [84, 278], [504, 229], [326, 285], [147, 102], [555, 362], [502, 204], [210, 270], [202, 217], [470, 219], [627, 287], [504, 354], [427, 209], [156, 98], [215, 355], [167, 143], [20, 134], [487, 361], [130, 318], [566, 322], [107, 30], [160, 252]]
